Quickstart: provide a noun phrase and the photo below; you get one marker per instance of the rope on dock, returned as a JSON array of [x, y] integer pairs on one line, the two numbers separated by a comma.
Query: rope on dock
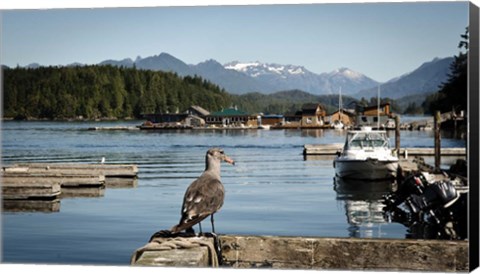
[[161, 243]]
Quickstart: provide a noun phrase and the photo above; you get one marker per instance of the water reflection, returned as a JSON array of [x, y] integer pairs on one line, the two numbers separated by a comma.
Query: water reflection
[[45, 206], [316, 133], [82, 192], [113, 182], [363, 202]]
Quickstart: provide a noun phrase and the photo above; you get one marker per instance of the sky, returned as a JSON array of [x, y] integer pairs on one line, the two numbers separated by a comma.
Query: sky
[[380, 40]]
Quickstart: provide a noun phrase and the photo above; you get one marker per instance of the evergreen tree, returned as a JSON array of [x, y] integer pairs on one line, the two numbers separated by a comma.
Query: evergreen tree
[[103, 91], [453, 93]]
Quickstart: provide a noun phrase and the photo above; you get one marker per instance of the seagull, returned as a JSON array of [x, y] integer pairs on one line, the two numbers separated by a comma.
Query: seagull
[[205, 195]]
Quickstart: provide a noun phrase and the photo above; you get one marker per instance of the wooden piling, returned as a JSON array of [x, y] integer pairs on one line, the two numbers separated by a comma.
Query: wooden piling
[[437, 144], [397, 133]]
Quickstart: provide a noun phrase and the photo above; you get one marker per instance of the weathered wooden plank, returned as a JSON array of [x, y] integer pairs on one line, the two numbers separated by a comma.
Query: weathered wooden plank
[[75, 169], [452, 151], [107, 169], [177, 251], [344, 253], [192, 257], [12, 190], [65, 180]]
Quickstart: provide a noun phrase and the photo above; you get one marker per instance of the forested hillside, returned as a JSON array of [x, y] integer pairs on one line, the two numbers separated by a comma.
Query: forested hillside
[[288, 101], [92, 92]]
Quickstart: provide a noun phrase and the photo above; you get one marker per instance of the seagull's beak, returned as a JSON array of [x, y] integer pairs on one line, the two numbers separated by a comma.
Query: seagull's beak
[[229, 160]]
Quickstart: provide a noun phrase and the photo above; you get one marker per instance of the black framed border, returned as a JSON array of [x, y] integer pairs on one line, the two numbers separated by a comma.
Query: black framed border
[[473, 136]]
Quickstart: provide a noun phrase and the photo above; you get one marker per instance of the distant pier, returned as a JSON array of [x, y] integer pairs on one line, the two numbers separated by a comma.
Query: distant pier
[[333, 149]]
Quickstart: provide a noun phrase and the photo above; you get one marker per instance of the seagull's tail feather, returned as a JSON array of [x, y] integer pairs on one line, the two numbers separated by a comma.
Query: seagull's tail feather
[[186, 225]]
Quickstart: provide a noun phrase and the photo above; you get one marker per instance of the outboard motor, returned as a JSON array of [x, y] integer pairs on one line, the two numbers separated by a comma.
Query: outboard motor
[[440, 193], [414, 184], [428, 207]]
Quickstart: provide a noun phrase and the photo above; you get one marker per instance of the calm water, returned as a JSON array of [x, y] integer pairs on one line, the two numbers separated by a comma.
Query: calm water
[[272, 190]]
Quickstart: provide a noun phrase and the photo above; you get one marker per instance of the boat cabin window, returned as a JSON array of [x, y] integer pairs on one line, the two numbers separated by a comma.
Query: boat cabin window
[[362, 140]]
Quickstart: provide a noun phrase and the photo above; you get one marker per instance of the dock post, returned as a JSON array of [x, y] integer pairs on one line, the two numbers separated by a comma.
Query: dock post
[[397, 133], [436, 125]]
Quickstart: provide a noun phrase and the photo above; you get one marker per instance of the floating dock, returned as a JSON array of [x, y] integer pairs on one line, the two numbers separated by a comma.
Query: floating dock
[[114, 128], [312, 253], [333, 149], [68, 180], [39, 186], [107, 170]]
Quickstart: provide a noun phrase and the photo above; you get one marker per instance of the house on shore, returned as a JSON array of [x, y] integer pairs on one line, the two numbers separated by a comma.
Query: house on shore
[[194, 116], [311, 116], [346, 116], [270, 119], [231, 117], [291, 120], [370, 115]]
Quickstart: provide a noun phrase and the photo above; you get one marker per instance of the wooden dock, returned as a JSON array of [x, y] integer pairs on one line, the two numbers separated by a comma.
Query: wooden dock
[[121, 128], [68, 180], [24, 190], [33, 186], [333, 149], [107, 170], [315, 253]]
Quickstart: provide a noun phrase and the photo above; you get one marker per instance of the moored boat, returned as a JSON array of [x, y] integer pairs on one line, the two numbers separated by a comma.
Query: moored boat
[[366, 155], [337, 124]]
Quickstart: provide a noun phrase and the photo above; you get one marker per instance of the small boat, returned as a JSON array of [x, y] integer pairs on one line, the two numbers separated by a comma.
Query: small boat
[[366, 155], [264, 127], [337, 124]]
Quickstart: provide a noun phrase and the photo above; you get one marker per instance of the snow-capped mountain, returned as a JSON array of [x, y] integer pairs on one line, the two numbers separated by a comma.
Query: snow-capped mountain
[[258, 69], [282, 77], [239, 78], [243, 77]]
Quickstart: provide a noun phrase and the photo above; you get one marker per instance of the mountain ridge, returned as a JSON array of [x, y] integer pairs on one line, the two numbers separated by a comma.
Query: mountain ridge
[[423, 80], [238, 77]]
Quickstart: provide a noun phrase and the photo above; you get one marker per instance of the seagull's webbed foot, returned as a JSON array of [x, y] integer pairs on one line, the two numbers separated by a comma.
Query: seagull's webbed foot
[[162, 234]]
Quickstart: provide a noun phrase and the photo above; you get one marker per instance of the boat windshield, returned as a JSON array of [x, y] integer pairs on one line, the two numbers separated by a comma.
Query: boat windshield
[[369, 140]]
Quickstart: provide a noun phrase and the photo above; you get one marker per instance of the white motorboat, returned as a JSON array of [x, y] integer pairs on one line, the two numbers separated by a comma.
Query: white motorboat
[[366, 155]]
